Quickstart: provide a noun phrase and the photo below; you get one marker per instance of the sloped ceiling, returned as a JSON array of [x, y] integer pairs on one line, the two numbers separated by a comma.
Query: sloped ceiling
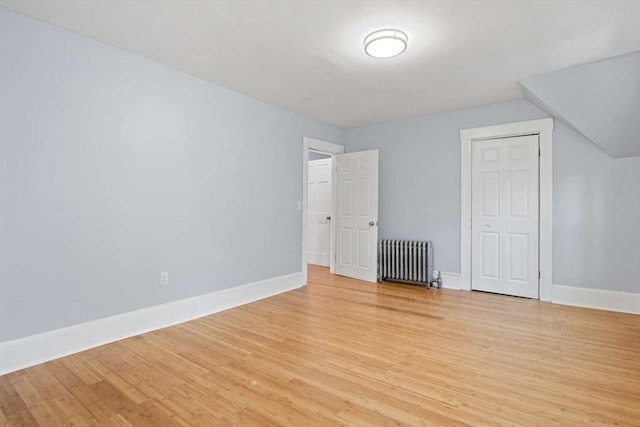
[[600, 100]]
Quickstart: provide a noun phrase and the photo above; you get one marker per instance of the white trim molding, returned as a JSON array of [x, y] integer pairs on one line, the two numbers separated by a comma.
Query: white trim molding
[[601, 299], [543, 128], [40, 348], [449, 280], [328, 148]]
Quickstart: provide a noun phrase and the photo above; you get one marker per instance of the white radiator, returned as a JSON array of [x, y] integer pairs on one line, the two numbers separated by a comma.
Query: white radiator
[[406, 261]]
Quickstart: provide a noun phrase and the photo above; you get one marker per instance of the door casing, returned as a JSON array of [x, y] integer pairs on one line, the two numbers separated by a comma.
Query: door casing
[[543, 128]]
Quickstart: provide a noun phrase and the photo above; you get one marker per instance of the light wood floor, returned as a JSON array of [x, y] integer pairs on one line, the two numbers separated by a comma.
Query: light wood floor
[[340, 351]]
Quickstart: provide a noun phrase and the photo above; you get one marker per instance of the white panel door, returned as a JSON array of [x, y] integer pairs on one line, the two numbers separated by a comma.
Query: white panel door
[[319, 212], [357, 215], [504, 227]]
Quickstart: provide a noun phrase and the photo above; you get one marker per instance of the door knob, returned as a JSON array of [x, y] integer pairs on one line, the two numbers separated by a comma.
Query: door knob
[[328, 218], [371, 223]]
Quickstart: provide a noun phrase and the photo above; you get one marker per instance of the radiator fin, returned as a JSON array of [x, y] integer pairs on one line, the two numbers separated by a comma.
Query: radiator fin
[[407, 261]]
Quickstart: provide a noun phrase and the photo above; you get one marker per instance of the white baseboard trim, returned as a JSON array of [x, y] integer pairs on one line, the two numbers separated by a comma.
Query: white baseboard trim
[[40, 348], [450, 280], [625, 302]]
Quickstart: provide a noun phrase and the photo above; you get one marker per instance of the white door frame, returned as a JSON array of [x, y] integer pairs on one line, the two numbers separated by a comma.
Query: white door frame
[[543, 128], [328, 148]]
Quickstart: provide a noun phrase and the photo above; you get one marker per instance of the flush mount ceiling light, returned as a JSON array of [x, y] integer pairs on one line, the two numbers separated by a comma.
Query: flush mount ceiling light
[[385, 43]]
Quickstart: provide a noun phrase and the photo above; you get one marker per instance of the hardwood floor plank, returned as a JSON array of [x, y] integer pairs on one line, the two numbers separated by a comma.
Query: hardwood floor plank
[[346, 352], [13, 407]]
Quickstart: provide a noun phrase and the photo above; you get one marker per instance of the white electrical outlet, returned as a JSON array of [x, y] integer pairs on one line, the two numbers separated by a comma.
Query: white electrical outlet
[[164, 278]]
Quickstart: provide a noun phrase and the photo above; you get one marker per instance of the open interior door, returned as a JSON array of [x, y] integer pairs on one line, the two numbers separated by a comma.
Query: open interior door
[[357, 215], [319, 212]]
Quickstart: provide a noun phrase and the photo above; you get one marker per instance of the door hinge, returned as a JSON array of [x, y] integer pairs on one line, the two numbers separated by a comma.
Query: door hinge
[[539, 153], [538, 274]]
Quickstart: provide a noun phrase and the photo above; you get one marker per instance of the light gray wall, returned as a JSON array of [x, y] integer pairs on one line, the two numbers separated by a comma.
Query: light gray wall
[[114, 168], [596, 232], [420, 172], [596, 198]]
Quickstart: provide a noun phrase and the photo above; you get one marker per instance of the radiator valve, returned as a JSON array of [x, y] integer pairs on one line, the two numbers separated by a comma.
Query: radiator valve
[[437, 282]]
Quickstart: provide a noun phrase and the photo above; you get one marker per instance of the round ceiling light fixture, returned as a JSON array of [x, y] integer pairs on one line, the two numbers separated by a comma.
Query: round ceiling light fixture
[[385, 43]]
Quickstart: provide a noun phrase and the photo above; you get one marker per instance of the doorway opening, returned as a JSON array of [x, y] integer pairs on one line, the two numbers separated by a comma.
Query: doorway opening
[[318, 202], [319, 208], [340, 196]]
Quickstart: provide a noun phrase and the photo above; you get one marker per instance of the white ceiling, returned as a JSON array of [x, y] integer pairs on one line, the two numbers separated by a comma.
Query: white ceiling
[[307, 56]]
